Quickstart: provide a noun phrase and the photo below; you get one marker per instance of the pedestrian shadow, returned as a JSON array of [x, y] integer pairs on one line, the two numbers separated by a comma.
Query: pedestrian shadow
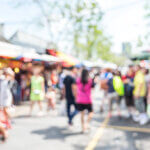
[[129, 143], [108, 147], [117, 121], [78, 147], [131, 135], [97, 120], [112, 147], [28, 116], [55, 133], [21, 116], [139, 136]]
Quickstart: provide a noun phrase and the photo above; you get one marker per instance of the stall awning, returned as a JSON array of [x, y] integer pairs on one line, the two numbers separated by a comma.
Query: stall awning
[[8, 54], [67, 60], [46, 57], [13, 51]]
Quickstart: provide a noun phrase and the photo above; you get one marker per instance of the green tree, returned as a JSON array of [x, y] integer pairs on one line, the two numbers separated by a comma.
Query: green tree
[[96, 44], [82, 25], [145, 39], [89, 38], [147, 9]]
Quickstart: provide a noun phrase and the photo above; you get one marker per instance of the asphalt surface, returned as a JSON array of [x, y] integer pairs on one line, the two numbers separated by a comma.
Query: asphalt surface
[[52, 132]]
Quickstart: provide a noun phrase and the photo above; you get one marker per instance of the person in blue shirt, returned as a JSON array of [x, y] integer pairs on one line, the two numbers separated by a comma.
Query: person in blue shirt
[[104, 77]]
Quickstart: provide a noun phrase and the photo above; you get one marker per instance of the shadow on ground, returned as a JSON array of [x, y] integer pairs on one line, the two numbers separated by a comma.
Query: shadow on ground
[[55, 133], [78, 147], [117, 121], [21, 116], [130, 136]]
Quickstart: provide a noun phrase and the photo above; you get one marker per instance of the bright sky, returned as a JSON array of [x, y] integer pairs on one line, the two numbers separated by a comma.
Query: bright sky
[[123, 20]]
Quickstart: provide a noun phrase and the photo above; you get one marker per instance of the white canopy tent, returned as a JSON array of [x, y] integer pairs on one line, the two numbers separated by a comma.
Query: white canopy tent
[[10, 50], [46, 57], [31, 55], [8, 54], [42, 57], [100, 63], [14, 51], [88, 63]]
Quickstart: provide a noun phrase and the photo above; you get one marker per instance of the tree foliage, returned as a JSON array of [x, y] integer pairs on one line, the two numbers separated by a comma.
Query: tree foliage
[[145, 39], [81, 25], [147, 9]]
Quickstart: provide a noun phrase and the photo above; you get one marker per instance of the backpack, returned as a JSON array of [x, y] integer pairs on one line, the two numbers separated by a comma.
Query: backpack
[[118, 85], [103, 84]]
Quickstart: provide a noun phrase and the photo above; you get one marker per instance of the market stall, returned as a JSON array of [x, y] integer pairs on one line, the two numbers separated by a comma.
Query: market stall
[[66, 59], [14, 56]]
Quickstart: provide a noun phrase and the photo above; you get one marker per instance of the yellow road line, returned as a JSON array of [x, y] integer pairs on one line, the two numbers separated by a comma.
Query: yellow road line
[[132, 129], [98, 135], [100, 131]]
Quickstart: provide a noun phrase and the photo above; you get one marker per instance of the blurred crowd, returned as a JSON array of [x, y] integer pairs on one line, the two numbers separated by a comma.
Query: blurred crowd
[[75, 84], [133, 86]]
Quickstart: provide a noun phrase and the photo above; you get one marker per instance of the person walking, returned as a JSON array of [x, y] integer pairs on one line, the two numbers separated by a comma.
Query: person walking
[[148, 98], [6, 99], [83, 98], [51, 99], [14, 86], [128, 89], [139, 94], [3, 132], [105, 75], [37, 89], [112, 94], [61, 84], [6, 96], [69, 88], [119, 88]]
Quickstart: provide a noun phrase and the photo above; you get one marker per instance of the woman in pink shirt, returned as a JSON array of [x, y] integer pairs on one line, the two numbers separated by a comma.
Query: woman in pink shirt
[[83, 97]]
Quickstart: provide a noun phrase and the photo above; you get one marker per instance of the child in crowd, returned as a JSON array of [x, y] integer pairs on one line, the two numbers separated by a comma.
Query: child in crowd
[[37, 89], [51, 98]]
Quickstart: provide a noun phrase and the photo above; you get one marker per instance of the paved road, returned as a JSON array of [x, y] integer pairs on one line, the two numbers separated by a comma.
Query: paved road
[[47, 132], [124, 135], [52, 132]]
